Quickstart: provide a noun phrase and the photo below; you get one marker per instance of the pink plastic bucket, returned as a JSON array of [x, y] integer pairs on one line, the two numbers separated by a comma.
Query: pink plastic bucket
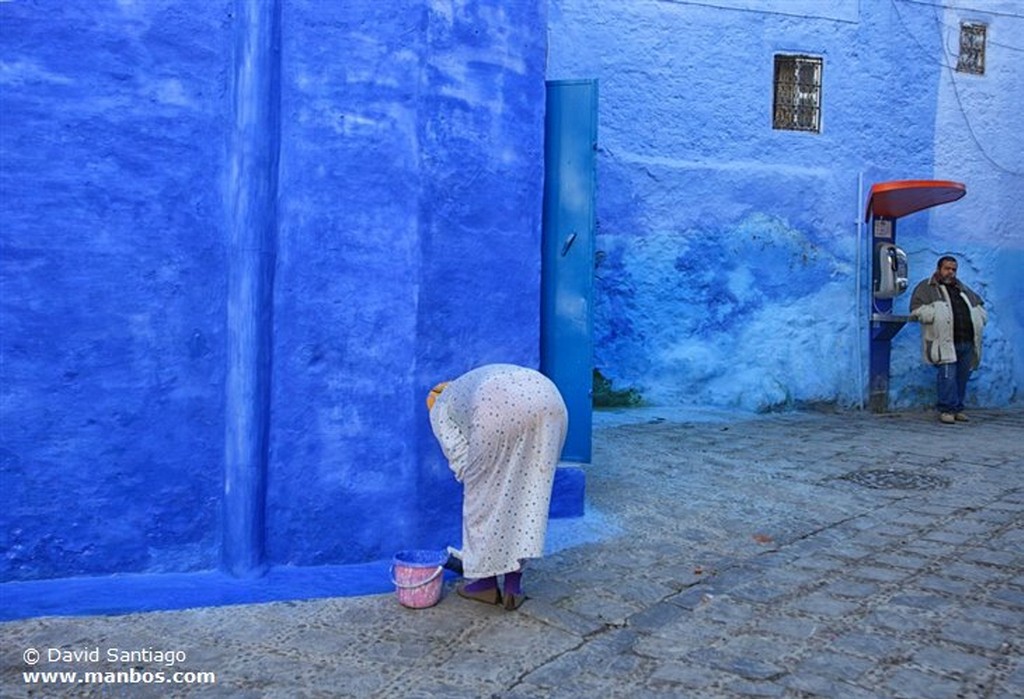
[[418, 578]]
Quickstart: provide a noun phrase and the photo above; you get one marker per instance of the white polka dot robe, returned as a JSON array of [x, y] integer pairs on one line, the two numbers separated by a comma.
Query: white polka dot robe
[[502, 428]]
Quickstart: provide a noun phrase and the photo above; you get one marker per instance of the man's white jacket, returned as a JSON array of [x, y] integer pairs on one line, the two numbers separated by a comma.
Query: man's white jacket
[[930, 305]]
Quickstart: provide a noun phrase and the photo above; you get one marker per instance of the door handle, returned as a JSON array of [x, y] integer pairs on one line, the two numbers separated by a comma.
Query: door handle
[[568, 243]]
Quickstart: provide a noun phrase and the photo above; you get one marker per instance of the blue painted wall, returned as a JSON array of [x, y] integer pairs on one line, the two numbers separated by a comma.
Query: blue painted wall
[[977, 137], [396, 183], [729, 272], [399, 239], [113, 296], [411, 171]]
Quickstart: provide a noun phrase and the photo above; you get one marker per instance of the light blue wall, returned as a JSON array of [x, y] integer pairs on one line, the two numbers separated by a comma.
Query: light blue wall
[[978, 141], [728, 257], [397, 181]]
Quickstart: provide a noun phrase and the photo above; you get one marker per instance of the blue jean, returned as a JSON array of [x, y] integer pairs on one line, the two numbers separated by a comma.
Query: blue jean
[[952, 380]]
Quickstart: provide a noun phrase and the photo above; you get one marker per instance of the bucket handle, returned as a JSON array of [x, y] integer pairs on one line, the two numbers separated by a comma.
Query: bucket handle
[[415, 585]]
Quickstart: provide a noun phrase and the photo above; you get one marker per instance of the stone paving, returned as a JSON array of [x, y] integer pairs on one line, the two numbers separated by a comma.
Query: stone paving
[[792, 555]]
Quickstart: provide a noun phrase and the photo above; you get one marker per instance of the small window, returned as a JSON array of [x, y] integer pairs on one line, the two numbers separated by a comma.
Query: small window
[[972, 48], [797, 105]]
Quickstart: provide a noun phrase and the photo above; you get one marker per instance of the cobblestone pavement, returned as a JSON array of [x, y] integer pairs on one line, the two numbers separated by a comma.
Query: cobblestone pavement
[[794, 555]]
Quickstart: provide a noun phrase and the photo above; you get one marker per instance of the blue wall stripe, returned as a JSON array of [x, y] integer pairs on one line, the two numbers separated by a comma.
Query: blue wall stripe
[[252, 226]]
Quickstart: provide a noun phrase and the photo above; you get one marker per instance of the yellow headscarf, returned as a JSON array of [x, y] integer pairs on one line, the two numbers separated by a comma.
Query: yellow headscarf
[[434, 393]]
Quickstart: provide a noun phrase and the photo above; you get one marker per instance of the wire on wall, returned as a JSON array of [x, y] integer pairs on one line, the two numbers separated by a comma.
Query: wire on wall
[[951, 68], [961, 8]]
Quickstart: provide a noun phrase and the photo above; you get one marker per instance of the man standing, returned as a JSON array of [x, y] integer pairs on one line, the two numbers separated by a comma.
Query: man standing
[[952, 318]]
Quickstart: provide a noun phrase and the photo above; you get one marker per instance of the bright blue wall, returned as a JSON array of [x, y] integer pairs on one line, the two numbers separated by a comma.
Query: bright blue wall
[[403, 242], [481, 140], [728, 268], [346, 283], [409, 252], [113, 290]]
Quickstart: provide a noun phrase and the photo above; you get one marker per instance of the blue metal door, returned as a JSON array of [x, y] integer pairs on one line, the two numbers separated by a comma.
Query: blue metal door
[[568, 254]]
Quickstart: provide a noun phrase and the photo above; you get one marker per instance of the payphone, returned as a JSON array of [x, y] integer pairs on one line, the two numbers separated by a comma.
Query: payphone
[[890, 271], [888, 202]]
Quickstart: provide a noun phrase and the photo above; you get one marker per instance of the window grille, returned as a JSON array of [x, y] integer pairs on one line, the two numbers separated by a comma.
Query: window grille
[[797, 103], [972, 48]]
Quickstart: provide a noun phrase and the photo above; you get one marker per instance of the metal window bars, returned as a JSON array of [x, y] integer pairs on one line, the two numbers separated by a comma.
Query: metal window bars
[[797, 102], [972, 48]]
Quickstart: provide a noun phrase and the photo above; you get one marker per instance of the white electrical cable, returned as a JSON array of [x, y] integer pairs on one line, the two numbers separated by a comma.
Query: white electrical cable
[[860, 314]]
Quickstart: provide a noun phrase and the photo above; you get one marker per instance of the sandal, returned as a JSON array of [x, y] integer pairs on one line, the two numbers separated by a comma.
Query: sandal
[[489, 596], [512, 601]]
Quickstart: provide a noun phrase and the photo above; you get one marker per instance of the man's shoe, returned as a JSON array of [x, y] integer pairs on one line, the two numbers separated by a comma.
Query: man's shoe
[[961, 417], [947, 418]]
